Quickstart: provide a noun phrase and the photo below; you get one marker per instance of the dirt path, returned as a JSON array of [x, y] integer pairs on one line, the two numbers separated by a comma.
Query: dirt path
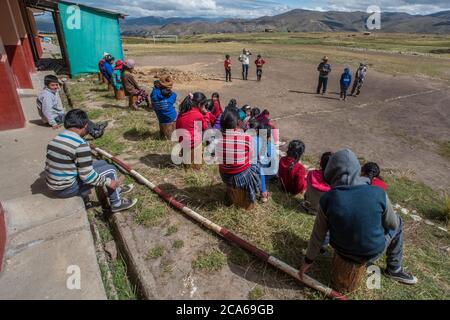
[[397, 121]]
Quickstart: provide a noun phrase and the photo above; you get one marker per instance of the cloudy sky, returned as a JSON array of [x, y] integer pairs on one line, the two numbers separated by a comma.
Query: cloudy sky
[[257, 8]]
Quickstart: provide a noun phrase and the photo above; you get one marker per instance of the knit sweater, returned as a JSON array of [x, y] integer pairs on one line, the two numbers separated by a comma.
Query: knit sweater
[[164, 106], [68, 159], [130, 85], [49, 106], [291, 175]]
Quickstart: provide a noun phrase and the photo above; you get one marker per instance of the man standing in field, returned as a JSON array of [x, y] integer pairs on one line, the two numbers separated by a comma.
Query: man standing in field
[[324, 69], [360, 76], [244, 58]]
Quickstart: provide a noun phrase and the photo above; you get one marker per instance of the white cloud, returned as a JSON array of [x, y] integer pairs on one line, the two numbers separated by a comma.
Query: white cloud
[[257, 8]]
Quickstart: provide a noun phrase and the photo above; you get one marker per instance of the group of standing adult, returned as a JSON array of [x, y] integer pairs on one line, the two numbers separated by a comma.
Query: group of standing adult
[[324, 69]]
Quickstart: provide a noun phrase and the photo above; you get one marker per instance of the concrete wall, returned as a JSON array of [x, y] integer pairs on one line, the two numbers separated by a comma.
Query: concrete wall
[[22, 32], [2, 236], [10, 33], [11, 114]]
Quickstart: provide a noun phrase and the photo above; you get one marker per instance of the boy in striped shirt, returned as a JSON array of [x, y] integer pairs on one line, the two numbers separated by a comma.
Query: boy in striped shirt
[[70, 170]]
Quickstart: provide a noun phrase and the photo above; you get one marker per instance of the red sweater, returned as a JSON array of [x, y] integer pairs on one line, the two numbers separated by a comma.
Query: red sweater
[[233, 152], [292, 176], [260, 62], [217, 109], [227, 64], [187, 121], [379, 183]]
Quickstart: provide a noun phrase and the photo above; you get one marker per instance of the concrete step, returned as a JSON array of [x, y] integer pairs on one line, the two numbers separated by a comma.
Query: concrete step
[[46, 239]]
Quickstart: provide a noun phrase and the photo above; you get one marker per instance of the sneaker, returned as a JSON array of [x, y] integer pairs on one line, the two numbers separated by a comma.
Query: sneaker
[[401, 276], [126, 189], [125, 205]]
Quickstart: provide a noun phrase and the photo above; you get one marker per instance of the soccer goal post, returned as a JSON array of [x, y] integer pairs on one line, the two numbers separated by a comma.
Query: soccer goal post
[[161, 37]]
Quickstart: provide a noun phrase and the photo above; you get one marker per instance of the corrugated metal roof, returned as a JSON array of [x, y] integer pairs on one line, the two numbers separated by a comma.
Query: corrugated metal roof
[[53, 5]]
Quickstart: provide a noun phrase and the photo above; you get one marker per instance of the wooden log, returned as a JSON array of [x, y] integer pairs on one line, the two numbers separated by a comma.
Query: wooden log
[[346, 275], [196, 160], [102, 197], [166, 130], [131, 101], [239, 198], [120, 94]]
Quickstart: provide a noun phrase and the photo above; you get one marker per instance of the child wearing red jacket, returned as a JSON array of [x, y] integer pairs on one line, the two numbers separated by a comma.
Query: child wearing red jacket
[[193, 117], [217, 108], [227, 65], [291, 172], [371, 170], [259, 65], [316, 184], [264, 119]]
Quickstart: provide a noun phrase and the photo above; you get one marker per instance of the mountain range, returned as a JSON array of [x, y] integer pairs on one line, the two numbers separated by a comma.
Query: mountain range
[[297, 20]]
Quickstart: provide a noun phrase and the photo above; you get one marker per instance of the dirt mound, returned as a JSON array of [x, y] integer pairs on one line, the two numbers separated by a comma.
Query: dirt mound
[[147, 74]]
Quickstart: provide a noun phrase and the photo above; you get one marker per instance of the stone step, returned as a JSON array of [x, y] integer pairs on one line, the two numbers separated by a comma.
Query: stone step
[[48, 242]]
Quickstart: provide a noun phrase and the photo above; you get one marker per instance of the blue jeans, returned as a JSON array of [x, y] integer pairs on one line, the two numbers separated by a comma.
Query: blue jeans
[[263, 179], [323, 83], [244, 71], [393, 248], [79, 188]]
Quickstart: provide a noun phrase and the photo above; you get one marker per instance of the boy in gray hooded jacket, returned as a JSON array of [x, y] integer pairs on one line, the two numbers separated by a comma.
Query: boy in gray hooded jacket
[[359, 218]]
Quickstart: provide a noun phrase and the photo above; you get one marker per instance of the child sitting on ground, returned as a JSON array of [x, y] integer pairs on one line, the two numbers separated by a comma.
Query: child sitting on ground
[[131, 87], [265, 156], [217, 108], [264, 119], [291, 172], [316, 185], [163, 100], [193, 118], [371, 170], [116, 78], [51, 109], [233, 154], [108, 69], [244, 116]]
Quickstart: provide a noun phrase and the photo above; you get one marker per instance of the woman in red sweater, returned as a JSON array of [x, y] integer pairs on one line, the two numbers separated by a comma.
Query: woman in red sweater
[[193, 118], [291, 173], [233, 154]]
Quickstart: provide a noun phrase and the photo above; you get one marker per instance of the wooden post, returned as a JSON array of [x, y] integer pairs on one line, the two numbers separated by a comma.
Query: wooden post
[[239, 198], [102, 197], [120, 94], [346, 275], [131, 101]]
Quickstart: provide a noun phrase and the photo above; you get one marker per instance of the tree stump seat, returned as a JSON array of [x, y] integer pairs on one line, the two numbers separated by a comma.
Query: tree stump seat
[[346, 275]]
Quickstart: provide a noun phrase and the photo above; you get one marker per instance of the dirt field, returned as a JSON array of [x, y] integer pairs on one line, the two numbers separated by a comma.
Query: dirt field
[[397, 121]]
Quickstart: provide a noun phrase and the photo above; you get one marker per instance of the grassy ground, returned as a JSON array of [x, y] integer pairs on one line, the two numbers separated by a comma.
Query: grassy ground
[[341, 47], [118, 268], [279, 226]]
